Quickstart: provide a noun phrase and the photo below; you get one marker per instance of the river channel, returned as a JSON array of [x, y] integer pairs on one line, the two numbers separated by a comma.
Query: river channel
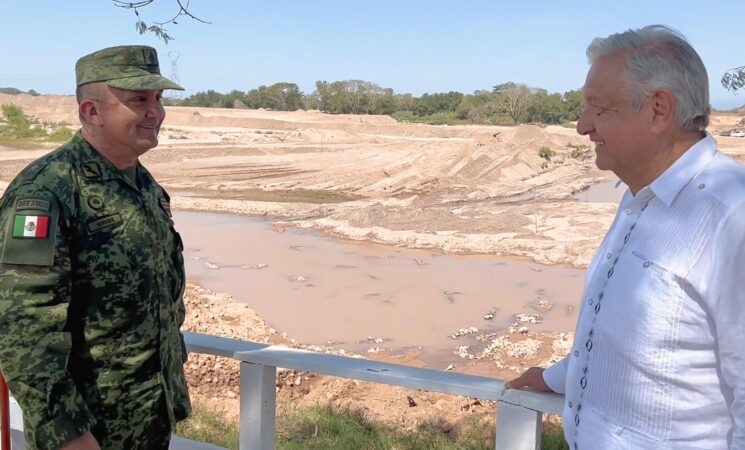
[[320, 289]]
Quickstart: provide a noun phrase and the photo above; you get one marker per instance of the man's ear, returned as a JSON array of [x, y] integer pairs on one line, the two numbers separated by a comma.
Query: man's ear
[[89, 111], [663, 110]]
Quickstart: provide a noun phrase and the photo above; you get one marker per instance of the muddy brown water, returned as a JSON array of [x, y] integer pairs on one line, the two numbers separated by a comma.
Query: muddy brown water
[[320, 289], [607, 192]]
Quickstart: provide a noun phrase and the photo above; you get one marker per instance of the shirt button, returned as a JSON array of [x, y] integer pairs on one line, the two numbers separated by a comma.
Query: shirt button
[[570, 404], [646, 264], [627, 211], [609, 256], [576, 353], [701, 186], [590, 301]]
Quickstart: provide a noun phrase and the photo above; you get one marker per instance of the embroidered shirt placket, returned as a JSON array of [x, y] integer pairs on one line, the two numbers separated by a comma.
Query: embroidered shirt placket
[[595, 311]]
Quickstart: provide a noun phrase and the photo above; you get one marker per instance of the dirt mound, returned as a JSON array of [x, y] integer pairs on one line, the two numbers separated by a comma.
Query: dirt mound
[[47, 108]]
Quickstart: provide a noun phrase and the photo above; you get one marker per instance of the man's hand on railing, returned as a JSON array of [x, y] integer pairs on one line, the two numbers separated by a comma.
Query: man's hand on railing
[[84, 442], [531, 378]]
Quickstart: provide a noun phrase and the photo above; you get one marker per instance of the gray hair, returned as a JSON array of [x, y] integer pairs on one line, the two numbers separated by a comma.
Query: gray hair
[[659, 57], [90, 91]]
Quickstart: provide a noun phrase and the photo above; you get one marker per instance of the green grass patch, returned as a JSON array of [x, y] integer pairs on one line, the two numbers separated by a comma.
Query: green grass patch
[[18, 130], [60, 134], [440, 118], [21, 143], [323, 428]]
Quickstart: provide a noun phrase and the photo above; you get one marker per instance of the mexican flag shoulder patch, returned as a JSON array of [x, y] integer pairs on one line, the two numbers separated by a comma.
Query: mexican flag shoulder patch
[[30, 227]]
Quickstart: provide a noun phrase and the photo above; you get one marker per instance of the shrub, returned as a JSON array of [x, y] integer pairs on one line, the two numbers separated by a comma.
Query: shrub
[[545, 153], [61, 134], [17, 124], [579, 151], [404, 116]]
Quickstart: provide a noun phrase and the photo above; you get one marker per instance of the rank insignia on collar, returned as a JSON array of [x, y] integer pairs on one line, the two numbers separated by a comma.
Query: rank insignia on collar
[[91, 170]]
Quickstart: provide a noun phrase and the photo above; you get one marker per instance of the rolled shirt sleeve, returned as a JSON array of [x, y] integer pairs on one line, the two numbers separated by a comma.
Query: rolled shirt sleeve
[[34, 343], [555, 376]]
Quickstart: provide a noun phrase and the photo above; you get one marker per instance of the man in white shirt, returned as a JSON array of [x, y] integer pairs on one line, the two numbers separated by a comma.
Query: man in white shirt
[[658, 360]]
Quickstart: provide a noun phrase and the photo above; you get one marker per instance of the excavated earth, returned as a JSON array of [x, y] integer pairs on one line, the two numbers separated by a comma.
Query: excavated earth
[[453, 189]]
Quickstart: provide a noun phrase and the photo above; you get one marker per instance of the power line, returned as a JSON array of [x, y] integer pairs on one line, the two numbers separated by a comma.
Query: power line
[[174, 56]]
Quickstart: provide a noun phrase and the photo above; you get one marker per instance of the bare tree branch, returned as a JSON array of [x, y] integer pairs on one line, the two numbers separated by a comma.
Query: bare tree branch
[[515, 97], [734, 79], [157, 27]]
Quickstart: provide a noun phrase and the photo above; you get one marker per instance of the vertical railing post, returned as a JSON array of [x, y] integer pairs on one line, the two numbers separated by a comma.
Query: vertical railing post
[[4, 414], [518, 428], [258, 406]]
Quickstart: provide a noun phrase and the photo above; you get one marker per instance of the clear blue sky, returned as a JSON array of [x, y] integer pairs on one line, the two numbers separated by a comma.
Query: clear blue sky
[[413, 46]]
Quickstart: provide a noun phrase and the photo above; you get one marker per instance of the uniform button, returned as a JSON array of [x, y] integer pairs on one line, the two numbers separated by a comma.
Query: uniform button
[[576, 353], [627, 211], [608, 256], [701, 186], [570, 404], [646, 264]]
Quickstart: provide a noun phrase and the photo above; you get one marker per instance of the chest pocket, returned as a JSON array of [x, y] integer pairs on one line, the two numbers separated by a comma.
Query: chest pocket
[[644, 299]]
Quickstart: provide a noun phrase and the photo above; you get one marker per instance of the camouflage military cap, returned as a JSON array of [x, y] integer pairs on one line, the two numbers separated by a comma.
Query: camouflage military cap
[[133, 67]]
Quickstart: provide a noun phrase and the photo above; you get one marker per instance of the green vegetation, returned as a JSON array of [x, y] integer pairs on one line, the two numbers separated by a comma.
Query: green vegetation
[[323, 428], [18, 125], [61, 134], [17, 129], [545, 153], [580, 151], [504, 104]]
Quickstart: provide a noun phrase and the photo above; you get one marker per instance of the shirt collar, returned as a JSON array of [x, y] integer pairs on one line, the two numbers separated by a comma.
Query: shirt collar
[[92, 164], [667, 186]]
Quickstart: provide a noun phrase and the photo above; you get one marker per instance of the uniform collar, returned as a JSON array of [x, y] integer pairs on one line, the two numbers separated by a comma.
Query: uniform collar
[[92, 165]]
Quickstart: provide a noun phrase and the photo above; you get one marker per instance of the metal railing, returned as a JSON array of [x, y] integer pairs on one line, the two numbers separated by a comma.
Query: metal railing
[[519, 412]]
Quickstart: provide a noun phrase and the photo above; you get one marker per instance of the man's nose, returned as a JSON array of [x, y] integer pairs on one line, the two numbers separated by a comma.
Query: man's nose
[[154, 109], [584, 124]]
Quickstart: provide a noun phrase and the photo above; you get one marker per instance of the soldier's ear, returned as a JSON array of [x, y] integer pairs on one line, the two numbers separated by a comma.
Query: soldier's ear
[[89, 112]]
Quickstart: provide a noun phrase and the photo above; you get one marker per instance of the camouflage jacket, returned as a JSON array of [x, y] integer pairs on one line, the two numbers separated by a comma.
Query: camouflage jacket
[[91, 286]]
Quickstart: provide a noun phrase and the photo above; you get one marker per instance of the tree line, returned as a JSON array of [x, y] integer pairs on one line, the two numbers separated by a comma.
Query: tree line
[[506, 103]]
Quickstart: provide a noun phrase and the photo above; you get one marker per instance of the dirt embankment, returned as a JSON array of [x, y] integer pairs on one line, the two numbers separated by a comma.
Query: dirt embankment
[[460, 189]]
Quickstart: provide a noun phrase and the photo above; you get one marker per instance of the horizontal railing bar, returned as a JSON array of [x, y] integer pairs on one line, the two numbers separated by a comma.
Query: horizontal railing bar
[[547, 402], [218, 346], [378, 372], [385, 373]]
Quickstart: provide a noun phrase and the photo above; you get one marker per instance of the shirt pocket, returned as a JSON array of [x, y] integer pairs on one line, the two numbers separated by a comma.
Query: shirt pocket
[[635, 342]]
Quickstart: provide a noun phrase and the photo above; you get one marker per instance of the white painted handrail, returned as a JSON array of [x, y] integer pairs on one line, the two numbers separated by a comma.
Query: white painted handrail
[[519, 413]]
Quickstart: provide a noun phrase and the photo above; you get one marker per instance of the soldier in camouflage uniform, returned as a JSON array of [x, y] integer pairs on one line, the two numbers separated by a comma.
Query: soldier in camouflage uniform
[[92, 273]]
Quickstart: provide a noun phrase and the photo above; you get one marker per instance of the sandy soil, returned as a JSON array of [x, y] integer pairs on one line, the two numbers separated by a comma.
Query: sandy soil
[[457, 189]]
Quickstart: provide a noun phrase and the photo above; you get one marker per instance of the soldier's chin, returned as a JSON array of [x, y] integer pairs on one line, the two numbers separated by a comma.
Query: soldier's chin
[[146, 144]]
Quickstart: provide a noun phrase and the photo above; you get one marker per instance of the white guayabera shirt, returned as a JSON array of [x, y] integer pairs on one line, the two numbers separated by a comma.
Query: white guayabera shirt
[[658, 360]]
